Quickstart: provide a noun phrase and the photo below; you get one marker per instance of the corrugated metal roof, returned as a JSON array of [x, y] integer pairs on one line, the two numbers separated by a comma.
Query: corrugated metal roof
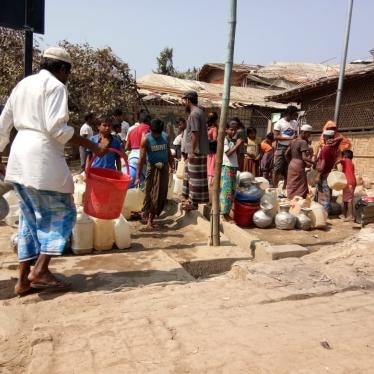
[[170, 89]]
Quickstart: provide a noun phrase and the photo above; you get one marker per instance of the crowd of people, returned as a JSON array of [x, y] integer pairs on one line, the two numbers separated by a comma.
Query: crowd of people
[[37, 108]]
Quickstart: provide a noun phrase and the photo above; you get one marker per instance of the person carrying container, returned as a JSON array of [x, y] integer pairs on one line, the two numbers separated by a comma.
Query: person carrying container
[[38, 109]]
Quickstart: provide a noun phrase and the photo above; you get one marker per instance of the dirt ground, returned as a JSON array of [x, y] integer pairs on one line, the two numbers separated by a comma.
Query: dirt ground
[[307, 315], [336, 232]]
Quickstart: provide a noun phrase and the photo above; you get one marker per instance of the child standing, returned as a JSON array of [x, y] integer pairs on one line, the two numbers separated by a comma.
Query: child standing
[[252, 156], [229, 168], [155, 150], [111, 160], [267, 156], [349, 191]]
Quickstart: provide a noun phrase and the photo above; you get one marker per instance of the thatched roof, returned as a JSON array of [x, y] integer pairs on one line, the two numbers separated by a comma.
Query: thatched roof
[[295, 95], [155, 87]]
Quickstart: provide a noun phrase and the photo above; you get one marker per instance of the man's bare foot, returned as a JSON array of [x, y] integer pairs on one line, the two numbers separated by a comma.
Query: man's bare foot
[[349, 219], [227, 218], [148, 228], [22, 287]]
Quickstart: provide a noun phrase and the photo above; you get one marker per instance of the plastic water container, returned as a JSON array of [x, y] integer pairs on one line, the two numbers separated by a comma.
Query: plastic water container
[[180, 169], [178, 185], [12, 219], [103, 237], [171, 186], [126, 213], [79, 190], [122, 233], [243, 212], [318, 215], [337, 180], [82, 236], [271, 197], [4, 187], [263, 183], [4, 208], [134, 200], [297, 203]]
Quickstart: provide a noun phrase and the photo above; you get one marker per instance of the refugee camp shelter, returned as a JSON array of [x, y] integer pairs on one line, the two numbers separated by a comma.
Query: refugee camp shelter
[[285, 75], [356, 121], [214, 73], [162, 96]]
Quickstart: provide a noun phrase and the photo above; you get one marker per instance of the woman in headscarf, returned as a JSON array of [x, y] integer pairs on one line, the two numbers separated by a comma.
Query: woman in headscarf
[[338, 140], [299, 156]]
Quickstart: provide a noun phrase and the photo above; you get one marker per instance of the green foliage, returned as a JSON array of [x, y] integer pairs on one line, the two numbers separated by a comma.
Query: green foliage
[[99, 80], [165, 65], [11, 60], [165, 62]]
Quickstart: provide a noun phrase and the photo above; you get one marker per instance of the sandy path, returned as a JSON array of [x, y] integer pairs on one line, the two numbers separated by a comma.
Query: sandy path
[[247, 321]]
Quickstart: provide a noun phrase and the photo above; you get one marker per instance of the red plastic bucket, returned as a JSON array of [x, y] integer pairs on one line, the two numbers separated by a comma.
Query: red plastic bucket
[[105, 190], [243, 212]]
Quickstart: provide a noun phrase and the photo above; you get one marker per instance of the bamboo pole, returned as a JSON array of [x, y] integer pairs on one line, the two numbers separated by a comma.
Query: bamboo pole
[[343, 62], [215, 217]]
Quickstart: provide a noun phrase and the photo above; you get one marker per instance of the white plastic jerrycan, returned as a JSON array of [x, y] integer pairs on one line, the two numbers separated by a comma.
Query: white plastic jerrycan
[[171, 187], [134, 200], [79, 190], [103, 238], [82, 237], [178, 185], [12, 219], [122, 233]]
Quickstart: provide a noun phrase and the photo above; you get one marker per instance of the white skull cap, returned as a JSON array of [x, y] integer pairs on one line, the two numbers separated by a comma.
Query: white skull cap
[[57, 53], [306, 127]]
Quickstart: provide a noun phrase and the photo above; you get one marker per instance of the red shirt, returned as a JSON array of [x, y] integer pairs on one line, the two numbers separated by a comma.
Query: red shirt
[[212, 133], [135, 137], [328, 154], [349, 170]]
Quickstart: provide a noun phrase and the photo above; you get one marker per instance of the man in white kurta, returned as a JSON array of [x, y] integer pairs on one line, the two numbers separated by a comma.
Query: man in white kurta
[[38, 109]]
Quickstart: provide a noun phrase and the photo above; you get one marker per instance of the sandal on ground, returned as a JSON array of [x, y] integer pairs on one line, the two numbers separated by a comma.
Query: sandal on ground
[[26, 292], [56, 284]]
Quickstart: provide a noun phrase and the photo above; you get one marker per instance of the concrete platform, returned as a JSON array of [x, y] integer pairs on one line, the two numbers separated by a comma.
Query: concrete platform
[[115, 271], [263, 251]]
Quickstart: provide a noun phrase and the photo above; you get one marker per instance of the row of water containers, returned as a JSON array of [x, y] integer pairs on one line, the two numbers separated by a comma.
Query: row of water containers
[[100, 234], [93, 233]]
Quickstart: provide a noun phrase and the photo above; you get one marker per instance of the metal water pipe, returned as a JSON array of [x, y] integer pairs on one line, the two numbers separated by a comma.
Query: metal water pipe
[[339, 91], [215, 215]]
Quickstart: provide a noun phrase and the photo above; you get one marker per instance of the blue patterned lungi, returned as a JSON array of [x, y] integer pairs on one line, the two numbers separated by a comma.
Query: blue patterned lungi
[[45, 223]]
